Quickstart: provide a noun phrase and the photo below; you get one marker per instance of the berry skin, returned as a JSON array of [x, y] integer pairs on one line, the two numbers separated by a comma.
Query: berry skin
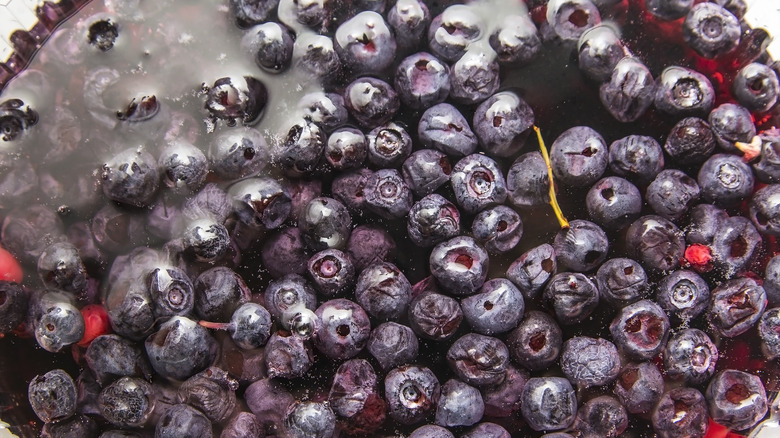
[[57, 322], [372, 102], [691, 356], [180, 348], [112, 356], [287, 356], [460, 404], [532, 269], [503, 400], [171, 291], [434, 316], [691, 141], [387, 195], [343, 329], [736, 399], [183, 420], [765, 211], [409, 19], [683, 293], [613, 202], [388, 145], [602, 416], [498, 228], [452, 32], [392, 345], [570, 18], [383, 291], [756, 87], [639, 386], [331, 271], [211, 391], [637, 158], [669, 9], [725, 180], [431, 431], [422, 80], [516, 40], [443, 127], [13, 307], [622, 281], [325, 223], [271, 46], [572, 296], [672, 193], [247, 13], [474, 77], [236, 98], [184, 167], [260, 202], [599, 49], [527, 181], [655, 242], [346, 148], [238, 153], [736, 306], [769, 331], [711, 30], [548, 403], [731, 123], [425, 170], [588, 362], [365, 44], [218, 292]]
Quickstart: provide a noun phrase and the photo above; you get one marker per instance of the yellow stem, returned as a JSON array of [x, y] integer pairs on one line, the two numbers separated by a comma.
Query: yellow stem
[[553, 200]]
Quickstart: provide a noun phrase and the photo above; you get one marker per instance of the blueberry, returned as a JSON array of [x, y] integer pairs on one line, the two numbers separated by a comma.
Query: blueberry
[[130, 310], [639, 386], [315, 56], [425, 170], [347, 148], [392, 345], [602, 416], [622, 281], [371, 101], [630, 90], [171, 291], [502, 123], [131, 402], [183, 167], [498, 228], [288, 292], [579, 156], [681, 91], [52, 396], [76, 426], [388, 145], [640, 330], [412, 392], [243, 425], [731, 123], [725, 180], [432, 220], [548, 403], [343, 329], [112, 356], [260, 201], [270, 44], [532, 269], [368, 243], [180, 348], [365, 43], [460, 404], [478, 183], [582, 246], [459, 265], [287, 356], [182, 420], [331, 271], [706, 221], [589, 361], [431, 431], [218, 292], [527, 181], [613, 202], [683, 293], [735, 245], [28, 230], [14, 300], [14, 119], [211, 201], [57, 323], [711, 30], [118, 230], [387, 195], [672, 193], [421, 79], [638, 158], [325, 224], [572, 296], [247, 13], [668, 10], [452, 32], [478, 360], [681, 412], [735, 306], [503, 400], [756, 87], [767, 164], [769, 332], [599, 49], [434, 316], [301, 151], [212, 392], [474, 76], [655, 242], [238, 153], [268, 399], [772, 280], [354, 398], [736, 399], [61, 267], [764, 210], [690, 355], [497, 308], [691, 141], [349, 188], [383, 291], [249, 327], [325, 109], [315, 15], [536, 342], [236, 98], [516, 40], [443, 127]]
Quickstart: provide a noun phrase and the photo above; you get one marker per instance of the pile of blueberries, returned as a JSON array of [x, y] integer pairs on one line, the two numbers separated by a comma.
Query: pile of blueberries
[[387, 267]]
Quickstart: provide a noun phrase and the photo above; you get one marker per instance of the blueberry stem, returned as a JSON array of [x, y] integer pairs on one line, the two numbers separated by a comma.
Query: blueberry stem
[[215, 325], [751, 150], [553, 200]]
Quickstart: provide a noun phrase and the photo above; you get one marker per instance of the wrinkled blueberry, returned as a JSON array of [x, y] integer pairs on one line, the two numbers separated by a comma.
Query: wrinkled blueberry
[[572, 296], [589, 361], [622, 281], [502, 123], [638, 158], [459, 265], [412, 392], [655, 242], [52, 396], [691, 356], [639, 386], [736, 306], [425, 170], [680, 91], [711, 30], [392, 345], [460, 404], [434, 316], [479, 360], [532, 269], [548, 403], [681, 412], [579, 156], [443, 127]]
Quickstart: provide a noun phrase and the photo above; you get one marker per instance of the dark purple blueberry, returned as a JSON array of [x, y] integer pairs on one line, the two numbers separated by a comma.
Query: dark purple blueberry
[[572, 296], [14, 300], [582, 246], [434, 316], [548, 403], [570, 18], [613, 202], [765, 210], [131, 402], [527, 181], [431, 431], [268, 399], [432, 220], [486, 430], [497, 308], [479, 360], [622, 281], [409, 19], [599, 49], [14, 120], [459, 265], [672, 193], [532, 269], [736, 399], [250, 326], [767, 165], [503, 400], [516, 40], [629, 91], [183, 420], [681, 412], [725, 180], [690, 355], [308, 419], [736, 306], [478, 183], [347, 148], [243, 425], [460, 404], [579, 156], [368, 243], [60, 266], [183, 167], [453, 31], [383, 291], [171, 291], [206, 241], [114, 229], [270, 44], [287, 356], [325, 223], [474, 76], [314, 56], [734, 245], [316, 15], [371, 101], [331, 271], [52, 396], [731, 123], [425, 170], [443, 127], [691, 141], [343, 329], [498, 228], [412, 392], [349, 188], [756, 87], [130, 310], [669, 10], [602, 416], [639, 386], [235, 98], [683, 293], [180, 348], [680, 91], [301, 151], [640, 330], [238, 153], [421, 79], [218, 292], [212, 392], [392, 345], [287, 293], [57, 323], [387, 195], [769, 332], [706, 221], [365, 44], [655, 242], [638, 158], [354, 398], [27, 231], [388, 145], [325, 109], [247, 13], [711, 30], [77, 426], [771, 280], [211, 201], [112, 356], [502, 123], [260, 202], [588, 362]]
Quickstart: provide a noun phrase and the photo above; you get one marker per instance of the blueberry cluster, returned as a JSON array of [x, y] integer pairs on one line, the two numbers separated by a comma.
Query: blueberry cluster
[[394, 254]]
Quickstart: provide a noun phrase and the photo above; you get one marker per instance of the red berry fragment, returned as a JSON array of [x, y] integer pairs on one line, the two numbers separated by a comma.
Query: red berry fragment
[[9, 267], [96, 323]]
